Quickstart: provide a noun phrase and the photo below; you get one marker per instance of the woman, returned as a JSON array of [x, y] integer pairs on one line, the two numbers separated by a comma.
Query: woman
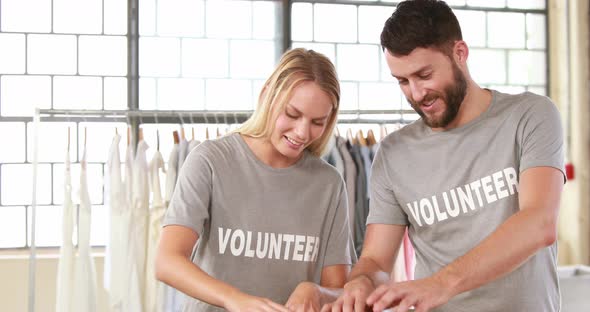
[[267, 215]]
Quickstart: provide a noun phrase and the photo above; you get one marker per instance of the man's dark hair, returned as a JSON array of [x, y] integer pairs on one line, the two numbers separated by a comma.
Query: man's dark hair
[[423, 24]]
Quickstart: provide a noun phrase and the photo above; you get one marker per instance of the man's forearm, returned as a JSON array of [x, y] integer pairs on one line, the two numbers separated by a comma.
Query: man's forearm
[[370, 269], [514, 242]]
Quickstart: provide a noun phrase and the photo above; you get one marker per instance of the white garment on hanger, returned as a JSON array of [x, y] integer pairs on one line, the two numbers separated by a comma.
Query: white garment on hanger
[[171, 174], [84, 294], [117, 248], [65, 270], [138, 229], [154, 289]]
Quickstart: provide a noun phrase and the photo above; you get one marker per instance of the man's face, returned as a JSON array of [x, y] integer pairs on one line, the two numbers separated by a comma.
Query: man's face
[[431, 82]]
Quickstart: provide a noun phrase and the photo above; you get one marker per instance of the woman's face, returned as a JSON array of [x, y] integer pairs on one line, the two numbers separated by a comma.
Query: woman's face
[[303, 121]]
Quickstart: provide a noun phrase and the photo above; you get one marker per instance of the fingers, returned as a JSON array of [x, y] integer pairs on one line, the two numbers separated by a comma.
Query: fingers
[[378, 293]]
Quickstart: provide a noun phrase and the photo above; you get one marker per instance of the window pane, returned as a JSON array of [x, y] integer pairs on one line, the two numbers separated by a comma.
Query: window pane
[[329, 29], [147, 93], [385, 72], [487, 3], [95, 182], [535, 29], [537, 90], [52, 141], [218, 96], [371, 21], [527, 67], [455, 2], [350, 68], [12, 141], [509, 89], [264, 19], [17, 184], [379, 96], [115, 17], [99, 225], [473, 27], [12, 54], [52, 54], [526, 4], [180, 18], [48, 224], [19, 95], [221, 11], [327, 49], [488, 66], [159, 57], [506, 30], [77, 92], [18, 15], [180, 94], [147, 17], [103, 55], [115, 93], [301, 22], [349, 96], [251, 59], [12, 227], [257, 86], [205, 58], [77, 17]]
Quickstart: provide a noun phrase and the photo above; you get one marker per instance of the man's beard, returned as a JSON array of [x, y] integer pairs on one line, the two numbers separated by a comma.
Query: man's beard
[[453, 96]]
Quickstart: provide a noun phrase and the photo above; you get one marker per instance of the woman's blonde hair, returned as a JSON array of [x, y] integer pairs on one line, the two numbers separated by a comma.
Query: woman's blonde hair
[[296, 66]]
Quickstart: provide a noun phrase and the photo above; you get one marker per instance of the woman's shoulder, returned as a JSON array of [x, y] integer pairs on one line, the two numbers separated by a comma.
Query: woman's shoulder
[[215, 150], [321, 169]]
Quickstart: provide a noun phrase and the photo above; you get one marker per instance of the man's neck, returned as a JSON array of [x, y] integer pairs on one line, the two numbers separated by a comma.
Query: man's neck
[[476, 102]]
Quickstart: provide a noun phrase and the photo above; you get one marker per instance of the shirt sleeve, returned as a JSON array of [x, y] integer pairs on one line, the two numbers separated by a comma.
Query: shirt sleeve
[[340, 248], [383, 206], [541, 137], [190, 201]]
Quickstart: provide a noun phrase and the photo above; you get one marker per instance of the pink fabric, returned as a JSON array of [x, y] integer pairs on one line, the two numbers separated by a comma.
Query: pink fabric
[[409, 256]]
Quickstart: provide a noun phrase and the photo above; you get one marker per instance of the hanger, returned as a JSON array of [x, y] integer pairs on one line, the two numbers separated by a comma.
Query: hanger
[[383, 131], [361, 138], [175, 137], [69, 128], [336, 130], [206, 126], [349, 136], [371, 138], [140, 136]]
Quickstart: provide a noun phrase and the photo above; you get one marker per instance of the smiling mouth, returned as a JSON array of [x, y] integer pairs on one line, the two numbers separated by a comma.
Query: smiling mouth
[[296, 143]]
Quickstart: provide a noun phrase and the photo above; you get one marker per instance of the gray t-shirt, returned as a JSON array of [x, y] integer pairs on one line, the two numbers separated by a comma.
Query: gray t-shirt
[[261, 229], [454, 188]]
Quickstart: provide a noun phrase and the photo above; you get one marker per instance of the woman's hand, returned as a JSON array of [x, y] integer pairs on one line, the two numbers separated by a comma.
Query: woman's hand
[[243, 303], [305, 298]]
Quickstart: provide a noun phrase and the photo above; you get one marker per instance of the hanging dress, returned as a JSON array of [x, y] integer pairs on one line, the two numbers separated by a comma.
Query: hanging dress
[[65, 270], [84, 294], [138, 229], [154, 288], [116, 251]]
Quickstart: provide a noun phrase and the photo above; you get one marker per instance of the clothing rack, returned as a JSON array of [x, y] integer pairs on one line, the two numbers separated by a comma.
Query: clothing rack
[[136, 117]]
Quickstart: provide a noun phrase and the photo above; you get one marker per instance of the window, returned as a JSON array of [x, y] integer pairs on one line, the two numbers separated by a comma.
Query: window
[[196, 55]]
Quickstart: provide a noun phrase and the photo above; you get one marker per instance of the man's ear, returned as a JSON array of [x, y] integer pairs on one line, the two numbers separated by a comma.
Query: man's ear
[[460, 52]]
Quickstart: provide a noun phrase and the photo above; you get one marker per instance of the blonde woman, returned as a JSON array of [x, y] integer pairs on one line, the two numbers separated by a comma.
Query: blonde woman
[[266, 217]]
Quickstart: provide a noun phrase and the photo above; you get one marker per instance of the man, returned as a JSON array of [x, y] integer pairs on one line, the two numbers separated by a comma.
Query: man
[[477, 181]]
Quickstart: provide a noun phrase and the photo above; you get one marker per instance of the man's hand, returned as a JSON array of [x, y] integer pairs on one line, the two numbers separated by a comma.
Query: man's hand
[[423, 294], [305, 298], [354, 297]]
